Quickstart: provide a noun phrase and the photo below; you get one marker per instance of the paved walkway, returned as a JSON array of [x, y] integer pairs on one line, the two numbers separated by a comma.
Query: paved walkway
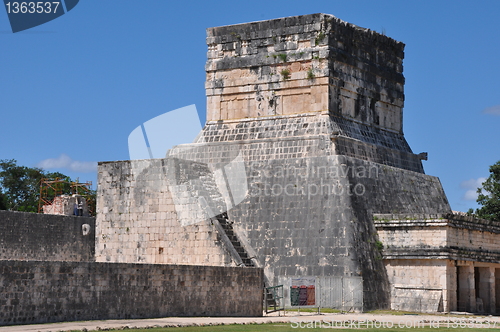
[[303, 320]]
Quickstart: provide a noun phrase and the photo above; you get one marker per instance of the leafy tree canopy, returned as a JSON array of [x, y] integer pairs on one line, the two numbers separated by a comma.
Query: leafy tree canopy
[[3, 201], [20, 186], [489, 195]]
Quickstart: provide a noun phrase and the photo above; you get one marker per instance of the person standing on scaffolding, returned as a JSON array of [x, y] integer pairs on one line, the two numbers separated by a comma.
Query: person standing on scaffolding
[[80, 206], [75, 207]]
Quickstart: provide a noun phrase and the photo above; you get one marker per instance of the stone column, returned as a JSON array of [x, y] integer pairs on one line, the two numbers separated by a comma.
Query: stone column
[[466, 291], [497, 289], [486, 290], [493, 297], [450, 292]]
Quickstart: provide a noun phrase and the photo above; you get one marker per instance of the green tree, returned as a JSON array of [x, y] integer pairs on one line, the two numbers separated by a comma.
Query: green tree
[[20, 186], [3, 201], [489, 195]]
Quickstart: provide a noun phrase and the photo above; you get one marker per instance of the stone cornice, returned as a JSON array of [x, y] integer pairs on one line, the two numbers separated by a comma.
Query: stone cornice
[[453, 220], [452, 253]]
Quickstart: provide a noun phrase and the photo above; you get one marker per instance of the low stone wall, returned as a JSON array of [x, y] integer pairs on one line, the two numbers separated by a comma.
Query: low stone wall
[[42, 291], [35, 236]]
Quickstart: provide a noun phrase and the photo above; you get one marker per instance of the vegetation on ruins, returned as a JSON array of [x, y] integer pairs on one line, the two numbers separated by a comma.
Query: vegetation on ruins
[[320, 37], [20, 186], [281, 56], [286, 74], [310, 74], [489, 195]]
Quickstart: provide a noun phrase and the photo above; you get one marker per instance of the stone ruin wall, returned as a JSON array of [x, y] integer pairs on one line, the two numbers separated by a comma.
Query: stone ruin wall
[[349, 79], [44, 237], [296, 65], [137, 221], [440, 232], [48, 273], [421, 285], [57, 291], [339, 106], [441, 262], [292, 235]]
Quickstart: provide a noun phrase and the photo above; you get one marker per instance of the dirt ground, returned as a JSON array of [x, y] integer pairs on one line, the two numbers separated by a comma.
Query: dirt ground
[[302, 320]]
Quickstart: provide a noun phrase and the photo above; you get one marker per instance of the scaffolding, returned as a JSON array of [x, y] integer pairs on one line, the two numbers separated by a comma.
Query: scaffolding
[[52, 188]]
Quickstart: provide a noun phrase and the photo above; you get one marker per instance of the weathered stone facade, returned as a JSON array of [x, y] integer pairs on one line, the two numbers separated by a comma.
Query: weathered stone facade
[[48, 291], [35, 236], [138, 223], [48, 274], [303, 64], [301, 170], [310, 107], [445, 262], [350, 78]]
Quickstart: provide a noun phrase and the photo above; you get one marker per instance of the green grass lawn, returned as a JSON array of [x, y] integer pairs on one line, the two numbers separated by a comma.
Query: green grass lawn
[[286, 327]]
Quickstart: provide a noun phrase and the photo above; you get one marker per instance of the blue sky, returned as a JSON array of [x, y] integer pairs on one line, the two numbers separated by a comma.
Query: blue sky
[[74, 88]]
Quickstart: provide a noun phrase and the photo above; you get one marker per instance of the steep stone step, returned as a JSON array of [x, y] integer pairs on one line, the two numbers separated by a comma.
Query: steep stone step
[[228, 229]]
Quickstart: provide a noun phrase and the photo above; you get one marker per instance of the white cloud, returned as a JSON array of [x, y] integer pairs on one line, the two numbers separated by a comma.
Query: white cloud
[[494, 110], [471, 187], [65, 161]]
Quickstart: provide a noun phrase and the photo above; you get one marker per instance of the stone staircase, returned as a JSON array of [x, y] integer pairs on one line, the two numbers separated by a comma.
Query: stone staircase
[[227, 225]]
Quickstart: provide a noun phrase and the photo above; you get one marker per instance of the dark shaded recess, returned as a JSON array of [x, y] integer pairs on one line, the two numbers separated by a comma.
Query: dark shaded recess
[[369, 134]]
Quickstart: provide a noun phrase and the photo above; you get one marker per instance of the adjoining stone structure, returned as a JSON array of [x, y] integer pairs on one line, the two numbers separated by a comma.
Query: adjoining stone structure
[[445, 262], [304, 117]]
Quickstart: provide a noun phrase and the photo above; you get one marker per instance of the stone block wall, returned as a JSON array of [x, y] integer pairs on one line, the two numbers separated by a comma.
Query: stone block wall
[[348, 79], [349, 138], [473, 239], [443, 235], [34, 236], [469, 233], [305, 212], [301, 64], [424, 236], [421, 285], [440, 235], [41, 292], [311, 106], [138, 223], [265, 69], [452, 258], [318, 223]]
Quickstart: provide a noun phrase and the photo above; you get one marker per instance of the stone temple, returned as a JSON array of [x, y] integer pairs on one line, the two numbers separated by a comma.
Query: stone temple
[[302, 169]]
